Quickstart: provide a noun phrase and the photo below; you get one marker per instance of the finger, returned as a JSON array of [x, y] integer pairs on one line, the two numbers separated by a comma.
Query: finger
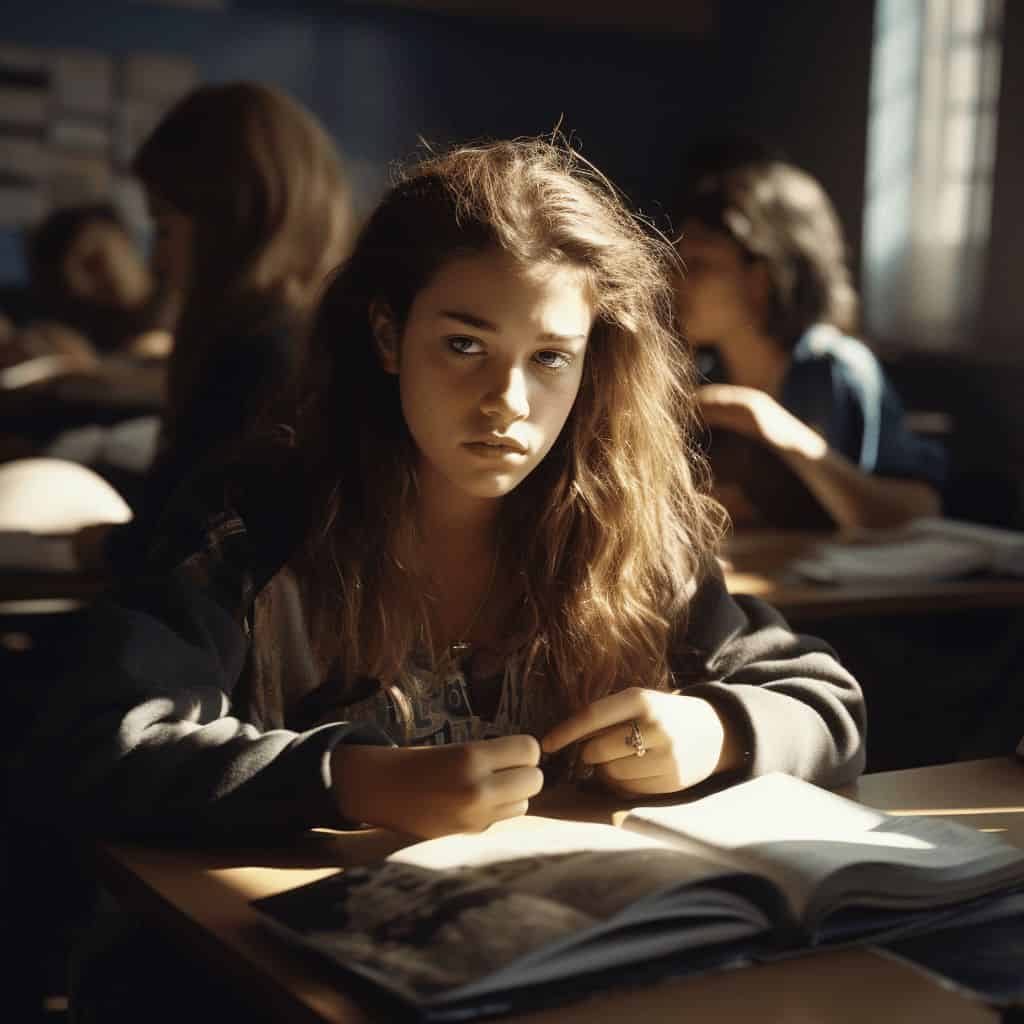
[[616, 743], [651, 785], [512, 785], [511, 810], [611, 710], [507, 751], [655, 764]]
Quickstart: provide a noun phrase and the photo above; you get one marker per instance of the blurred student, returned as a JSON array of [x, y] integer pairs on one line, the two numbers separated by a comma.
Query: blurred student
[[767, 295], [87, 275], [251, 209]]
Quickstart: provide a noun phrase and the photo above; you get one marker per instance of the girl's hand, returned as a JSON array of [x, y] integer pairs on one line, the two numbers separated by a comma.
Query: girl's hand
[[757, 415], [433, 791], [684, 738]]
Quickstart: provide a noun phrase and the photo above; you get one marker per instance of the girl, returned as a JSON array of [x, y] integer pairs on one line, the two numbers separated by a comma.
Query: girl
[[483, 538], [251, 210], [768, 291]]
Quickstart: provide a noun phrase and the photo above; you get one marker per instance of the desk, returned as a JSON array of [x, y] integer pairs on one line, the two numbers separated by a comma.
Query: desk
[[202, 897], [757, 563]]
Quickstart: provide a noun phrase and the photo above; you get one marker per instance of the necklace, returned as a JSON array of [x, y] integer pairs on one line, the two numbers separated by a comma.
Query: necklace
[[460, 648]]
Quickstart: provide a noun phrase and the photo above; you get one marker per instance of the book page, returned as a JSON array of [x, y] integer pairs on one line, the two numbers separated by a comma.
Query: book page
[[929, 548], [825, 852], [514, 920], [913, 558], [771, 807]]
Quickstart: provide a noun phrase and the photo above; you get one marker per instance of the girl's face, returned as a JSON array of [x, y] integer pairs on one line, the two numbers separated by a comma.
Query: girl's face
[[103, 267], [489, 365], [721, 290], [172, 244]]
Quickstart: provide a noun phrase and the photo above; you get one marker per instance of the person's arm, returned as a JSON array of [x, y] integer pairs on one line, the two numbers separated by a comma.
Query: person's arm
[[150, 734], [753, 697], [853, 497], [856, 499], [784, 696], [143, 735]]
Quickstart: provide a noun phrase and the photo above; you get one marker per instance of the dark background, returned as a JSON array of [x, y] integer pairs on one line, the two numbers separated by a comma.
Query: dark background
[[636, 84]]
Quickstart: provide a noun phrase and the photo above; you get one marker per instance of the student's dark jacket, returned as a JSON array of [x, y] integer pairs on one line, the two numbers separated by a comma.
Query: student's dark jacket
[[177, 721], [246, 372]]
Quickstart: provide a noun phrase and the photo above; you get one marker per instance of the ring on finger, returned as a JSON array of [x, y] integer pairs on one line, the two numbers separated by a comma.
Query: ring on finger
[[635, 739]]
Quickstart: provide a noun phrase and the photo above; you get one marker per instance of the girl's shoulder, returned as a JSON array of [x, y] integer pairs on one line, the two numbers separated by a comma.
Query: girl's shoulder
[[245, 503]]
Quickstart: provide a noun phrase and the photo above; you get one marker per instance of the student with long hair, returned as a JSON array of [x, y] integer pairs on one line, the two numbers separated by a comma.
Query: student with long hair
[[768, 292], [252, 210], [483, 537]]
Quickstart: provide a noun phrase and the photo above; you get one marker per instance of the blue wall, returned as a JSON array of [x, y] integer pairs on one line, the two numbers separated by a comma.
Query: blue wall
[[381, 79]]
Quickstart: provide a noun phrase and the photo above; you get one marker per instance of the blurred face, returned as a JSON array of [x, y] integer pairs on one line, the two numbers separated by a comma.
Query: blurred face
[[489, 365], [172, 245], [102, 267], [720, 293]]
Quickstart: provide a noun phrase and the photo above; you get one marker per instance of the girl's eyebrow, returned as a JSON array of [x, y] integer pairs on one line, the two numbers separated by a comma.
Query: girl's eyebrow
[[471, 320]]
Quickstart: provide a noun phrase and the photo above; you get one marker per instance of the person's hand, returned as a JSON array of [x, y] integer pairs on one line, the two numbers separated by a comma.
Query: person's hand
[[75, 351], [683, 740], [434, 791], [757, 415]]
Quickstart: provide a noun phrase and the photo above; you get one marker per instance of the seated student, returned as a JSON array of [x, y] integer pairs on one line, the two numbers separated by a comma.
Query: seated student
[[476, 541], [478, 527], [251, 208], [87, 275], [767, 291]]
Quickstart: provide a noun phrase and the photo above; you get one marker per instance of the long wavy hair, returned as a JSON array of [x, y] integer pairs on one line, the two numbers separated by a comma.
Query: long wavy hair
[[270, 204], [781, 216], [614, 528]]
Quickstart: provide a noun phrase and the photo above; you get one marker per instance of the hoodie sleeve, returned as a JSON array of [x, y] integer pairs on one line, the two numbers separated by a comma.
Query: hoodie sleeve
[[142, 735], [796, 708]]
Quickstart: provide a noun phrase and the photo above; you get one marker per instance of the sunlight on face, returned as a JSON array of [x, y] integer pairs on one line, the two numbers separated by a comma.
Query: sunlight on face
[[489, 364]]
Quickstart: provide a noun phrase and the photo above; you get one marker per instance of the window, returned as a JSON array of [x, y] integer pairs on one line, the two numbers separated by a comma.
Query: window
[[931, 150]]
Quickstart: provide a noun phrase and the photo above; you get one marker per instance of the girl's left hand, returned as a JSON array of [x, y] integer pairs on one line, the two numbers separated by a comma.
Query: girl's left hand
[[683, 740]]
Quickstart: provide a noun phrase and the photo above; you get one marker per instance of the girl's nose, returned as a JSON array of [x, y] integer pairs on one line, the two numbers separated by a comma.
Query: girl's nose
[[506, 397]]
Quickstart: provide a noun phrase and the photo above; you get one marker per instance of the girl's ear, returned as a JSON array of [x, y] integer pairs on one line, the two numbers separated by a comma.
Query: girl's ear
[[385, 335]]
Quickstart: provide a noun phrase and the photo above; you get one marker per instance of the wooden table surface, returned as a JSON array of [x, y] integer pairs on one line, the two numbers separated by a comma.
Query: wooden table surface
[[202, 897]]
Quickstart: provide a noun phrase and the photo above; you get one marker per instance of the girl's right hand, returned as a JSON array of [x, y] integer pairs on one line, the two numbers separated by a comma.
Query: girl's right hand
[[434, 791]]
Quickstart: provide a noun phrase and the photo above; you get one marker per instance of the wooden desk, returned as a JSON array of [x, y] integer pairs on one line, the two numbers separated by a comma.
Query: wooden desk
[[202, 897], [757, 563]]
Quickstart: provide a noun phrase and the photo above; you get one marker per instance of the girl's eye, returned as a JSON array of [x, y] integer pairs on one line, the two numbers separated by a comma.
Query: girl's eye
[[553, 360], [464, 346]]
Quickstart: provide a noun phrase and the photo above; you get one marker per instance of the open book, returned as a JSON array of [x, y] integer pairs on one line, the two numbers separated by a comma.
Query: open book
[[925, 549], [533, 911]]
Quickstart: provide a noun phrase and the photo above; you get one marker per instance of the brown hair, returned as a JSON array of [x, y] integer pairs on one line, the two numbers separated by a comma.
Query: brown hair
[[263, 183], [779, 215], [613, 529]]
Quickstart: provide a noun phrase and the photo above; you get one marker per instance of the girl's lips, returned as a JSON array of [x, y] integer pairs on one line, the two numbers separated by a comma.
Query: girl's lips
[[492, 450]]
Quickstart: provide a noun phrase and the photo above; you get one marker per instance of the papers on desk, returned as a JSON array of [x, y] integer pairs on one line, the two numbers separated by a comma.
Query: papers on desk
[[926, 549], [33, 552]]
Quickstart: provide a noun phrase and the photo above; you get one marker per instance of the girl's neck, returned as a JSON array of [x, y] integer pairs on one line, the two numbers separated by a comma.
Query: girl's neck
[[456, 523], [754, 360]]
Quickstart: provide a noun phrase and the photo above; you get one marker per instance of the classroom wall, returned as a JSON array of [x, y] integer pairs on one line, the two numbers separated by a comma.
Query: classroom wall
[[380, 79]]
